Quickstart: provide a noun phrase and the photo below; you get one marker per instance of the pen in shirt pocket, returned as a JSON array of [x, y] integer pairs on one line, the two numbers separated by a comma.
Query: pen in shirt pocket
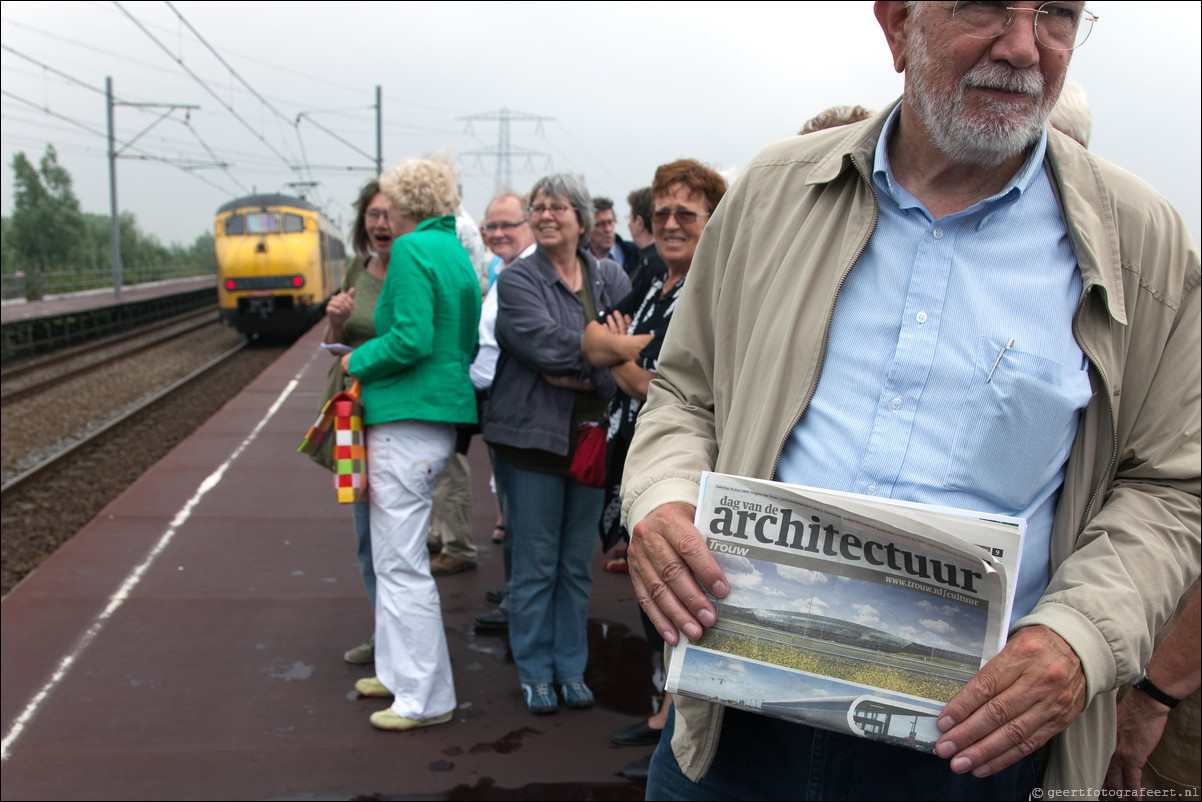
[[1009, 344]]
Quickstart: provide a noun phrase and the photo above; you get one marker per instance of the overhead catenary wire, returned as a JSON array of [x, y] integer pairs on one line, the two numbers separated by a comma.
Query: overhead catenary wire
[[218, 162], [208, 89], [187, 150], [346, 123], [187, 123], [50, 69], [394, 129], [290, 71], [266, 103], [184, 166]]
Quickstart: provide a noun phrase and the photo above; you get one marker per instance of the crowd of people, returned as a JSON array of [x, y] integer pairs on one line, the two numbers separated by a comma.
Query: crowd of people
[[828, 321]]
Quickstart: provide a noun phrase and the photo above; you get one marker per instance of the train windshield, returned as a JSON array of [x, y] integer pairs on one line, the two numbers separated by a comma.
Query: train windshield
[[293, 223], [263, 223]]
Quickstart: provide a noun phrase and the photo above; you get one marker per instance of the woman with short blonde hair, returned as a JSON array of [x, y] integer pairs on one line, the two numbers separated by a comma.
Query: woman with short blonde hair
[[416, 388]]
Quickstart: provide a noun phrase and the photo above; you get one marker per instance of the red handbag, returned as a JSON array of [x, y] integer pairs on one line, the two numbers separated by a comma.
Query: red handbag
[[588, 463]]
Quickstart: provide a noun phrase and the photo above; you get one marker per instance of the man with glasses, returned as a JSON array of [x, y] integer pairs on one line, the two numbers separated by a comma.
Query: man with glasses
[[604, 242], [947, 303], [507, 233]]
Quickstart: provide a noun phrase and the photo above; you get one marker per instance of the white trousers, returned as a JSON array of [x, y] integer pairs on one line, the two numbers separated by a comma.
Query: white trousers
[[404, 459]]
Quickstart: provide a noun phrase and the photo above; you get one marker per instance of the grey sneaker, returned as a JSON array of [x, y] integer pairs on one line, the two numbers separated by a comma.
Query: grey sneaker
[[361, 654], [576, 694], [540, 698]]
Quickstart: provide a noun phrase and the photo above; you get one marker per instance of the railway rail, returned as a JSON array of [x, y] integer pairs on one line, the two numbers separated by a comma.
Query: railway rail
[[47, 497], [15, 382], [139, 409]]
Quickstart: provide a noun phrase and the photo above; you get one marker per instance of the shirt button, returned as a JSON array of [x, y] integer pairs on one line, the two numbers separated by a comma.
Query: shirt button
[[870, 490], [937, 233], [896, 403], [921, 317]]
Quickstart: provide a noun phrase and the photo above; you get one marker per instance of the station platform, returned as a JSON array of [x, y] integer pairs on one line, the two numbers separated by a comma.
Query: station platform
[[187, 643], [70, 303], [38, 327]]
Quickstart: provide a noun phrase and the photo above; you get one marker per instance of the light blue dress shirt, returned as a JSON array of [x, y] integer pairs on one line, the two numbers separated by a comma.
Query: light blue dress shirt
[[906, 406]]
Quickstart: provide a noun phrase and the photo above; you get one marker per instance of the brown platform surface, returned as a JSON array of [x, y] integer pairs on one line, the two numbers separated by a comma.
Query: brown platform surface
[[95, 299], [187, 644]]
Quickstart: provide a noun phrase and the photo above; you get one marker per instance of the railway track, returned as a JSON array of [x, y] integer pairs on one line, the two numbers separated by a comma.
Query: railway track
[[31, 473], [16, 381], [47, 503]]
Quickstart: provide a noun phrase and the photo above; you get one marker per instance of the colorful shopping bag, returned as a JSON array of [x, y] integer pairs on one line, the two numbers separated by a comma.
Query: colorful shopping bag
[[342, 419], [350, 447]]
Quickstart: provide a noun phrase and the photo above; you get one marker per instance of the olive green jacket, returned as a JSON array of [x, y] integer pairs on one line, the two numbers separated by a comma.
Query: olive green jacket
[[1124, 544], [416, 368]]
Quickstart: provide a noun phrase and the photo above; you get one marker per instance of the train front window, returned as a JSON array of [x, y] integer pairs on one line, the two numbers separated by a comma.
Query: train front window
[[293, 223], [235, 225], [263, 223]]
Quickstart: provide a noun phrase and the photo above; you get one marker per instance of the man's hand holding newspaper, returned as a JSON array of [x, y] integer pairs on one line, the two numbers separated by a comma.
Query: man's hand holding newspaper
[[1014, 704], [667, 557], [1025, 695]]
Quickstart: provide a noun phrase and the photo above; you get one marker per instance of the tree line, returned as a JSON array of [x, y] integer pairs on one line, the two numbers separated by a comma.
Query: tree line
[[49, 234]]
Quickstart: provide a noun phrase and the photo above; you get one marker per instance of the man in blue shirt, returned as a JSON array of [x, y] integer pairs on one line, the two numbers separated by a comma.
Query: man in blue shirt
[[943, 304]]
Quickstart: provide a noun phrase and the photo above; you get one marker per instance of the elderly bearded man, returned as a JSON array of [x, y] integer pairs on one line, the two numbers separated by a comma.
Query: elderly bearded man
[[895, 260]]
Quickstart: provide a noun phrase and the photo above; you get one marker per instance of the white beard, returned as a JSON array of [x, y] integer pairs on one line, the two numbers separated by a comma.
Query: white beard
[[984, 142]]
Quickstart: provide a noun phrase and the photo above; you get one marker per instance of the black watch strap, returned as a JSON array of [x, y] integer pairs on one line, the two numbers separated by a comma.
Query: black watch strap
[[1142, 683]]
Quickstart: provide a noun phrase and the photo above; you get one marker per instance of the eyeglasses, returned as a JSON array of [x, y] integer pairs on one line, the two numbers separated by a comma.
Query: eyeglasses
[[372, 215], [1059, 26], [556, 209], [500, 228], [686, 217]]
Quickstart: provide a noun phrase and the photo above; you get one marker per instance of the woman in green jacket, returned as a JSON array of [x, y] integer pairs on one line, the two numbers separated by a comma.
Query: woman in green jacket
[[416, 389]]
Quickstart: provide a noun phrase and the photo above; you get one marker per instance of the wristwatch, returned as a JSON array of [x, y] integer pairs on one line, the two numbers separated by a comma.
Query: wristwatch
[[1142, 683]]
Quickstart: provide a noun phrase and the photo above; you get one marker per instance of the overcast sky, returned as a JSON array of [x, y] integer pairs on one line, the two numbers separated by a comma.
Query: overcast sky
[[628, 86]]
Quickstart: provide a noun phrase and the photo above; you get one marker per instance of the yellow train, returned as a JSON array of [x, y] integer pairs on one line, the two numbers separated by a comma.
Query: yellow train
[[278, 260]]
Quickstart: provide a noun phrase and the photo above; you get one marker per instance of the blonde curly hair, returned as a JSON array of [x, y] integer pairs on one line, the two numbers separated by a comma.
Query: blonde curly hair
[[421, 188]]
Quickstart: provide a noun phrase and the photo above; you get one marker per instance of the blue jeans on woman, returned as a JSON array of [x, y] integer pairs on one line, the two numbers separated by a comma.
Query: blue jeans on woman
[[554, 519], [361, 520]]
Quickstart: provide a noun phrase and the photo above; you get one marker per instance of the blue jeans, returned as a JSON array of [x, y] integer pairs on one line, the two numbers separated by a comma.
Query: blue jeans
[[766, 758], [361, 520], [507, 539], [554, 520]]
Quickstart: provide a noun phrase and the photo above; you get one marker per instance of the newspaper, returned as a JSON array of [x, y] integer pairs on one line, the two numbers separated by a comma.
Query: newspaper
[[849, 613]]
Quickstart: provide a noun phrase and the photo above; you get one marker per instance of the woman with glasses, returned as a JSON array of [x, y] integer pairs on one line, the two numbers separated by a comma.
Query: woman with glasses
[[626, 338], [414, 375], [543, 391], [349, 322]]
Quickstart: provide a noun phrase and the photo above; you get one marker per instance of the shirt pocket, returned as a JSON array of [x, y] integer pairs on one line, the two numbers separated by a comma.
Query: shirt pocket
[[1015, 430]]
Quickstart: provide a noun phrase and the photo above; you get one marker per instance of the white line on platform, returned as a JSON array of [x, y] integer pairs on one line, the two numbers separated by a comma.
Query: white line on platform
[[135, 577]]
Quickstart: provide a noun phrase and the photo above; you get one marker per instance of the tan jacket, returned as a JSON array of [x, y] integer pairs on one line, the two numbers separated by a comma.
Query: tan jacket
[[742, 360]]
